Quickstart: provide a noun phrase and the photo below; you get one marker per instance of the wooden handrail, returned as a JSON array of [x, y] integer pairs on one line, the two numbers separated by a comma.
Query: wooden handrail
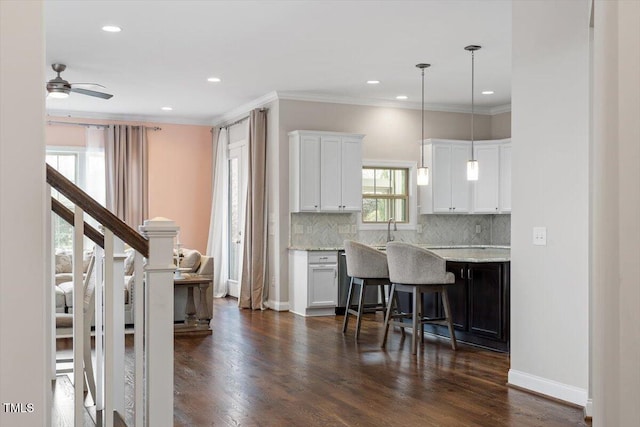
[[97, 211], [66, 214]]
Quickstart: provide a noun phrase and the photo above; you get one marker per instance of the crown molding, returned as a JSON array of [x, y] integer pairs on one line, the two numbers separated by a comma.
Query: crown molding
[[315, 97], [506, 108], [129, 117], [241, 111]]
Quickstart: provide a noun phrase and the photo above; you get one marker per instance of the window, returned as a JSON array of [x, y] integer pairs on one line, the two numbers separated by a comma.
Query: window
[[385, 194], [86, 169], [67, 164]]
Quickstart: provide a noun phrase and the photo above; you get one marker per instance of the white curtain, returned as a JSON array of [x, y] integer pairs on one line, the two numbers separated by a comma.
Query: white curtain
[[217, 245]]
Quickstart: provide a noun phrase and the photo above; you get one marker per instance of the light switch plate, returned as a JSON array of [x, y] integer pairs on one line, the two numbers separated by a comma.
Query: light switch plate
[[540, 236]]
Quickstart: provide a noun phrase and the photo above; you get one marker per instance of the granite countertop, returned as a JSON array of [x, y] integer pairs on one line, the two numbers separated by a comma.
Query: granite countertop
[[459, 253]]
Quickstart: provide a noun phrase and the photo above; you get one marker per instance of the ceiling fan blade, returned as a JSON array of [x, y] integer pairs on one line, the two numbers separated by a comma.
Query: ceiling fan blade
[[91, 93], [88, 84]]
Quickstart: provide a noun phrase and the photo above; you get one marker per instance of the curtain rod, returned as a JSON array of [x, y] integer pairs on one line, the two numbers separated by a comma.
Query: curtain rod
[[101, 125], [228, 125]]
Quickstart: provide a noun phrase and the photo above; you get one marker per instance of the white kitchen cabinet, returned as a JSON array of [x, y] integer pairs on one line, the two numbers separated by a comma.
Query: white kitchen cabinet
[[313, 276], [448, 190], [505, 177], [486, 190], [325, 171]]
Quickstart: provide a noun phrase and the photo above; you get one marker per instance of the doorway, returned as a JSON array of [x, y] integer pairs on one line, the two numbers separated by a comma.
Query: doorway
[[237, 197]]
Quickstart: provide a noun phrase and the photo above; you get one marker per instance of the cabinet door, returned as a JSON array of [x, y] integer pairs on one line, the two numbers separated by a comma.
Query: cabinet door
[[351, 167], [441, 178], [486, 188], [330, 168], [505, 178], [309, 173], [459, 296], [460, 187], [486, 298], [323, 285]]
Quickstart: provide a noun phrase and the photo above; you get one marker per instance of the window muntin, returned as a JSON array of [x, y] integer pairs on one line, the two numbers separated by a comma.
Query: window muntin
[[385, 194]]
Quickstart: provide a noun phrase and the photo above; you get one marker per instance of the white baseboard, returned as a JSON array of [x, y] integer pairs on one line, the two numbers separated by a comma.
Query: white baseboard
[[278, 305], [550, 388], [588, 409]]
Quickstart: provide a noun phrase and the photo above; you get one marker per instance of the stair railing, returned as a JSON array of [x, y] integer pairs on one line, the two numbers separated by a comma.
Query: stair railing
[[152, 310]]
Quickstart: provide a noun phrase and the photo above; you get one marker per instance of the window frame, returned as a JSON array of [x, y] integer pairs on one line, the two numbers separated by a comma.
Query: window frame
[[412, 193]]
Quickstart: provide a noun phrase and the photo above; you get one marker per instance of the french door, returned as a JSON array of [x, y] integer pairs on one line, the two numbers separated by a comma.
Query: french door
[[237, 197]]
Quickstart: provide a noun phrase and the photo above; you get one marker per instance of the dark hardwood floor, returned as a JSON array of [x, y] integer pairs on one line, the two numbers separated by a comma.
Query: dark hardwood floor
[[279, 369]]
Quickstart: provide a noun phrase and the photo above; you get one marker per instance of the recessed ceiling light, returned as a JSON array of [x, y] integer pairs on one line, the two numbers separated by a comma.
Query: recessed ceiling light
[[402, 97], [167, 108], [487, 92], [373, 82], [111, 29], [214, 79]]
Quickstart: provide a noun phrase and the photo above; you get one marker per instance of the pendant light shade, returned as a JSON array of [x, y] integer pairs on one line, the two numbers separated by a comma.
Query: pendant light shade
[[423, 171], [423, 176], [472, 170], [472, 165]]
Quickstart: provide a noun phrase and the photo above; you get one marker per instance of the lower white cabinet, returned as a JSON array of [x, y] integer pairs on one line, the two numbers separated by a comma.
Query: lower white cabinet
[[313, 282]]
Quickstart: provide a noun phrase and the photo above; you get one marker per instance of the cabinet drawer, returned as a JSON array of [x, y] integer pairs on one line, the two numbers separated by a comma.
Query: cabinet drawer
[[323, 257]]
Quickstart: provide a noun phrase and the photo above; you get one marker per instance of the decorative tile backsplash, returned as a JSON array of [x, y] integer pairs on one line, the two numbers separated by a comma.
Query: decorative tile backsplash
[[330, 230]]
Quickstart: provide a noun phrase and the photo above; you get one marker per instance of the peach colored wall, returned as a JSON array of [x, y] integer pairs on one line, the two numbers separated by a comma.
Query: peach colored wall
[[180, 172]]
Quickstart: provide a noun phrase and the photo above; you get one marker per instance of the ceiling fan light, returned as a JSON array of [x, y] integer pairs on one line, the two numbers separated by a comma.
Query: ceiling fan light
[[423, 176], [472, 170], [58, 94]]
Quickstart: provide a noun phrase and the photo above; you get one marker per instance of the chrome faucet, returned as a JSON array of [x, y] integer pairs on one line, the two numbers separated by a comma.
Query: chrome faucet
[[390, 238]]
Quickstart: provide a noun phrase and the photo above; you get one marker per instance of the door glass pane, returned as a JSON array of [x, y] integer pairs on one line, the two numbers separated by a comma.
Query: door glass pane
[[234, 217]]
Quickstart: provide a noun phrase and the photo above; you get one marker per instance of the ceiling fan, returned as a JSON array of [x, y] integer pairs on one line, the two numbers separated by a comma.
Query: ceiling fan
[[60, 88]]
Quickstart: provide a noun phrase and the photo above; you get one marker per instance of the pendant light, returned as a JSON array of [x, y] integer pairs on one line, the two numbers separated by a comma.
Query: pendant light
[[472, 165], [423, 171]]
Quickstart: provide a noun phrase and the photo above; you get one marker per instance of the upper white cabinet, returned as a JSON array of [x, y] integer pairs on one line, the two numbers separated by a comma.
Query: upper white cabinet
[[325, 171], [486, 188], [505, 177], [448, 190]]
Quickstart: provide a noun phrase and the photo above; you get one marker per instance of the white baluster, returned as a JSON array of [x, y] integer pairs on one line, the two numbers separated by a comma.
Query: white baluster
[[78, 317]]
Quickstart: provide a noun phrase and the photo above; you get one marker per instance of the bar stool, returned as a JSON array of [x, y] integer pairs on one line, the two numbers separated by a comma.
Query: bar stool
[[367, 267], [417, 271]]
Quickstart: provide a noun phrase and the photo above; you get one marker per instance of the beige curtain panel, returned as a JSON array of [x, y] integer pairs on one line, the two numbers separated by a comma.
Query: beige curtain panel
[[126, 159], [254, 267]]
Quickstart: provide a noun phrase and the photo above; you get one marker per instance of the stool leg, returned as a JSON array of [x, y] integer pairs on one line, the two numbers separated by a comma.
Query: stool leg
[[395, 305], [414, 320], [345, 322], [447, 313], [360, 307], [422, 315], [383, 296], [386, 317]]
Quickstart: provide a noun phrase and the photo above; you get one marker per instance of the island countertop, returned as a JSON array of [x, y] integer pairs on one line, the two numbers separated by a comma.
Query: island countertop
[[457, 253]]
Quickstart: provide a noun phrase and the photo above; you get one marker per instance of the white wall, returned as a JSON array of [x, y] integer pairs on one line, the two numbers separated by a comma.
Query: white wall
[[550, 130], [23, 356], [616, 218]]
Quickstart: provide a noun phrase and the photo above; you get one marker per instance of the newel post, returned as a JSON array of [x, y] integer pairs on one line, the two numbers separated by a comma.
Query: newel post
[[159, 321]]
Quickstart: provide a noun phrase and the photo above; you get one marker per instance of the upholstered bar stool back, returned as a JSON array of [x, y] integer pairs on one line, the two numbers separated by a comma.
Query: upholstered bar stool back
[[367, 267], [417, 271]]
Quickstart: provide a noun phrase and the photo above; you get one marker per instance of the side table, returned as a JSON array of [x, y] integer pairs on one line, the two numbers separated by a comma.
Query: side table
[[196, 322]]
